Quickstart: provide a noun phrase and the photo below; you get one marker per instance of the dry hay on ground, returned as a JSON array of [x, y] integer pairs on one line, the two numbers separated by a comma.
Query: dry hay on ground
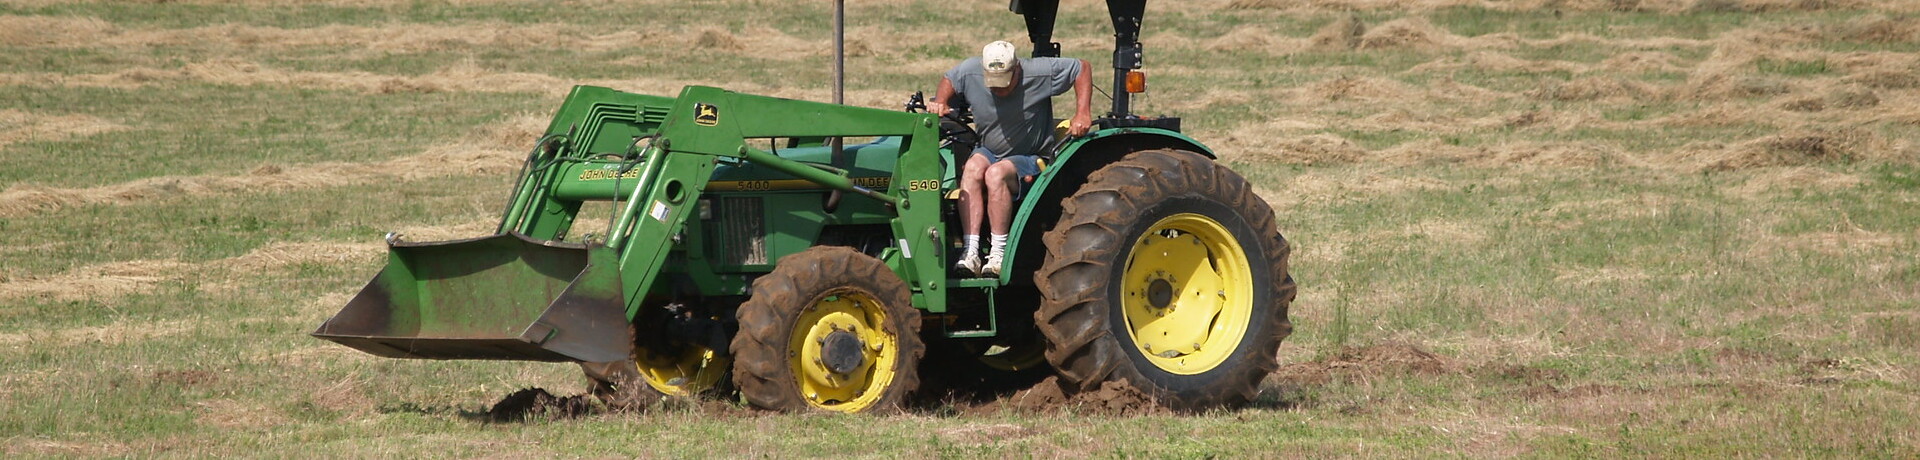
[[1315, 187], [1365, 363], [1254, 38], [19, 126], [118, 333], [1490, 61], [1607, 89], [1641, 62], [228, 414], [1852, 241], [478, 155], [1536, 154], [463, 77], [96, 282], [1588, 276], [1342, 34], [1782, 180], [109, 282], [1418, 33], [1798, 147]]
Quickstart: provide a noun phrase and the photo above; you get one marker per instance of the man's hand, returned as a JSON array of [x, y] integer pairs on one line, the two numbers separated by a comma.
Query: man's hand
[[1082, 102], [940, 96]]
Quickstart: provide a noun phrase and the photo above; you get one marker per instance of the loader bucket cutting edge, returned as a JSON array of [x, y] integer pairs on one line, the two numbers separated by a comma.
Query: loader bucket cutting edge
[[499, 297]]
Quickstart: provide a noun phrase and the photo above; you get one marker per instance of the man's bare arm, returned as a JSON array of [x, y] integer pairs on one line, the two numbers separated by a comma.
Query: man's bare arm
[[939, 104], [1082, 120]]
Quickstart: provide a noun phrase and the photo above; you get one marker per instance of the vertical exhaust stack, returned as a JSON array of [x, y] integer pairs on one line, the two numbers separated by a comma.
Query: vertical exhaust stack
[[1128, 54]]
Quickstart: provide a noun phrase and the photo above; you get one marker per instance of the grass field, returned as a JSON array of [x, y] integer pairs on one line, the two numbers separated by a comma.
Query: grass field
[[1646, 228]]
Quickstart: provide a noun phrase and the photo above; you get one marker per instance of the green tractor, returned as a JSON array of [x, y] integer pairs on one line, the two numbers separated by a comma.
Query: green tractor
[[732, 263]]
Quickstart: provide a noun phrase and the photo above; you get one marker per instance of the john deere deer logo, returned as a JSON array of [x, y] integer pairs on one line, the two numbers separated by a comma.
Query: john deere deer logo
[[706, 114]]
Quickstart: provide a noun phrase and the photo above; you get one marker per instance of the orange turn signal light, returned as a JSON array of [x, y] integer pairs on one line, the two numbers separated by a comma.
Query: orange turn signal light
[[1136, 82]]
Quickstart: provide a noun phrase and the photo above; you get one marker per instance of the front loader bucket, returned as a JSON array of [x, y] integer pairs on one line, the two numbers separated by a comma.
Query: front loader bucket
[[503, 297]]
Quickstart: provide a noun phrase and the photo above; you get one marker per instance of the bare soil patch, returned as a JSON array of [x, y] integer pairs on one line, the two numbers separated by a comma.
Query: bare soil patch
[[538, 403], [1112, 398]]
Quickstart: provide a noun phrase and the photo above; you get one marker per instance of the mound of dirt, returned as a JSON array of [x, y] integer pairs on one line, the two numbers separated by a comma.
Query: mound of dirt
[[1113, 397], [1362, 363], [538, 403]]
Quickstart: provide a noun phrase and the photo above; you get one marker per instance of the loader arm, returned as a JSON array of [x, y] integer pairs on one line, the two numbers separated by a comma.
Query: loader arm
[[524, 294], [711, 123]]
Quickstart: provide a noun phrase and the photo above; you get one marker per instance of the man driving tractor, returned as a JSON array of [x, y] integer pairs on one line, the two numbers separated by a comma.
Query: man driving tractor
[[1012, 104]]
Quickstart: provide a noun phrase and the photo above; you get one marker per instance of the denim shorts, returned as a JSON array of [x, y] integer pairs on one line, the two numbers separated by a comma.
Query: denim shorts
[[1027, 167]]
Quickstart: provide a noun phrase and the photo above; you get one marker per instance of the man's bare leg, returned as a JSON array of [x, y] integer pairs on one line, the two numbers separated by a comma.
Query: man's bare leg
[[1000, 184], [972, 209]]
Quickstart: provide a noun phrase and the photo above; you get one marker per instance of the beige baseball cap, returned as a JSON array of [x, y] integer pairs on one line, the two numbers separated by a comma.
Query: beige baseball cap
[[997, 61]]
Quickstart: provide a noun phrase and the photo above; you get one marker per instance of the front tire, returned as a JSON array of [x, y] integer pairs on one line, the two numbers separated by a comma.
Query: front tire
[[829, 329], [1166, 271]]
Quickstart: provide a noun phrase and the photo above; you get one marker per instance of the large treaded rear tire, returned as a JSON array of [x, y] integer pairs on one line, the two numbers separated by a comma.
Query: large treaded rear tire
[[813, 296], [1104, 227]]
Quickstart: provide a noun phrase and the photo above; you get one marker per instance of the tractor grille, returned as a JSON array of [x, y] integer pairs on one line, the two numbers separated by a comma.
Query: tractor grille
[[743, 231]]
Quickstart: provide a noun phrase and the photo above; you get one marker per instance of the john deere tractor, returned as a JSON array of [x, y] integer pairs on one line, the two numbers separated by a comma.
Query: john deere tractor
[[750, 250]]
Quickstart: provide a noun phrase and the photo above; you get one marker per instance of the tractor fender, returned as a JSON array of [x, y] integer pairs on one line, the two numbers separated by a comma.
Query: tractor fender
[[1076, 160]]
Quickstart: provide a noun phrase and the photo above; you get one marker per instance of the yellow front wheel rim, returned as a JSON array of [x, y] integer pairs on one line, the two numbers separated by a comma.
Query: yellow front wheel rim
[[840, 352], [693, 370], [1187, 294]]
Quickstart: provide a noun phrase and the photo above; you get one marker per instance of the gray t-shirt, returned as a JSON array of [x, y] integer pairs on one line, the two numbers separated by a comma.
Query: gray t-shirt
[[1020, 123]]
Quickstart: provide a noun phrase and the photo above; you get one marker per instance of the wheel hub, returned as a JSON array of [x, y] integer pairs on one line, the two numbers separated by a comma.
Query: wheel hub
[[1187, 293], [843, 352], [1159, 293]]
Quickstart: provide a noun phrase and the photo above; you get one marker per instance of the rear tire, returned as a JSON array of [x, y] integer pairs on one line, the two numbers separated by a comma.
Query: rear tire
[[829, 329], [1194, 321]]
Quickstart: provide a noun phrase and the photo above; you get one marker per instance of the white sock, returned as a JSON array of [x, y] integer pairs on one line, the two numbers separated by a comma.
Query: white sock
[[999, 247], [972, 246]]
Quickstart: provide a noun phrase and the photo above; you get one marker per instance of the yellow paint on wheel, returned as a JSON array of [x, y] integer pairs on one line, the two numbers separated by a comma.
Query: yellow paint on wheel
[[687, 373], [843, 311], [1187, 294]]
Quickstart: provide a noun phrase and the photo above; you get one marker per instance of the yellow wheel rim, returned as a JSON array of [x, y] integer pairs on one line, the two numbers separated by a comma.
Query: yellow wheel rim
[[693, 370], [1187, 294], [839, 352]]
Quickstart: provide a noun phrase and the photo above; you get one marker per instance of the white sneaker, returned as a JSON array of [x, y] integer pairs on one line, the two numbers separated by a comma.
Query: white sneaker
[[969, 265], [992, 270]]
